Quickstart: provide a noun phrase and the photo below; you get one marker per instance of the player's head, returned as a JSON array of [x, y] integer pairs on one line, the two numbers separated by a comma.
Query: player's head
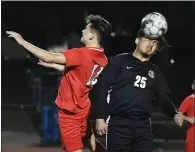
[[148, 46], [97, 29]]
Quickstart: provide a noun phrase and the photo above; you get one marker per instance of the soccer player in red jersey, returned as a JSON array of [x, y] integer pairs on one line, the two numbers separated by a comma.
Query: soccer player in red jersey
[[82, 67], [188, 106]]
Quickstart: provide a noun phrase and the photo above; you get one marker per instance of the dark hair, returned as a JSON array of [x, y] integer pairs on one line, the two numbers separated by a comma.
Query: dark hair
[[162, 41], [101, 25]]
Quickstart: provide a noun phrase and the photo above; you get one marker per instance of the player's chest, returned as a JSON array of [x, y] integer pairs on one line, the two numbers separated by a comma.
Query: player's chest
[[139, 76]]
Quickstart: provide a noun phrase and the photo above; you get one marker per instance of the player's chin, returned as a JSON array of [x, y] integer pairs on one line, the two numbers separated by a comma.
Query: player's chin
[[146, 53], [82, 39]]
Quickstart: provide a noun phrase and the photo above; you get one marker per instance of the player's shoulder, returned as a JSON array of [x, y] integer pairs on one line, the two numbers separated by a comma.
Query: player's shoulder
[[79, 49], [73, 50], [119, 57], [190, 98], [155, 68]]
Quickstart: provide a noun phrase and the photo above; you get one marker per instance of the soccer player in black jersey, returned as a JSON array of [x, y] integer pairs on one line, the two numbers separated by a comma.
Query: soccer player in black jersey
[[129, 87]]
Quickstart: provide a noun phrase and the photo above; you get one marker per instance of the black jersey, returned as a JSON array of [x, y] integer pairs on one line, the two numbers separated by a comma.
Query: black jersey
[[127, 81]]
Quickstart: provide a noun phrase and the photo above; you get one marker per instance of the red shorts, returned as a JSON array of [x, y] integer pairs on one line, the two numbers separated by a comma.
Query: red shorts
[[73, 128]]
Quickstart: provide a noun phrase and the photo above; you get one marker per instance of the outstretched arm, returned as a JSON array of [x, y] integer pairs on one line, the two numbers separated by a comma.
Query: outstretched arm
[[38, 52], [58, 67]]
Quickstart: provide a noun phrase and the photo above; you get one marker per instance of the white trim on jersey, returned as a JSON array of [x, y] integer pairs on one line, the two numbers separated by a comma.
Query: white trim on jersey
[[96, 49]]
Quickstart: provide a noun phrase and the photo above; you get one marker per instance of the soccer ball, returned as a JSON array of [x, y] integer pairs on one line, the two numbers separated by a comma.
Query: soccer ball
[[154, 25]]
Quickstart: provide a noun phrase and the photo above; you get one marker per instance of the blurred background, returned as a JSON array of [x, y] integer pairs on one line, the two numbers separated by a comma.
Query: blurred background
[[28, 90]]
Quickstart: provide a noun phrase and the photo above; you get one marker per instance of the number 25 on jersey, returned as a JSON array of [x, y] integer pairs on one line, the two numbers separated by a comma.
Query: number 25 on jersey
[[140, 82]]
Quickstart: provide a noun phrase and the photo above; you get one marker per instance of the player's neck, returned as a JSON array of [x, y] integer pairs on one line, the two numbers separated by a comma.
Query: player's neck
[[93, 45], [137, 54]]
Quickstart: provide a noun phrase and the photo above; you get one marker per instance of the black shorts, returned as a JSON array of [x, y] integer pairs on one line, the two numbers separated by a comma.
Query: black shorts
[[132, 135]]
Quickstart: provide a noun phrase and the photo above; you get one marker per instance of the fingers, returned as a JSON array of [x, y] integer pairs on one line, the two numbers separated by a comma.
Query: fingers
[[178, 119], [10, 32], [99, 132], [101, 127], [42, 63], [180, 122], [102, 131]]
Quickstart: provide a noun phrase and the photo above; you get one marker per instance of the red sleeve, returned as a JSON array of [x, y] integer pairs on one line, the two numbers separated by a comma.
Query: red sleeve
[[184, 105], [73, 57]]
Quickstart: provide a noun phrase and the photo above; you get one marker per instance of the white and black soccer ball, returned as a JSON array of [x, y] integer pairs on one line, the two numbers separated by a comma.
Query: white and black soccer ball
[[154, 25]]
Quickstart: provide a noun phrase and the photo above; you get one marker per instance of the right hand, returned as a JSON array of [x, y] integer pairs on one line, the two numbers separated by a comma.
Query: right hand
[[16, 36], [178, 119], [101, 127]]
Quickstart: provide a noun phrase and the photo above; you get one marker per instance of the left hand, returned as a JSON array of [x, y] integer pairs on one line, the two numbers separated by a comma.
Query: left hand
[[179, 119], [101, 127], [45, 64]]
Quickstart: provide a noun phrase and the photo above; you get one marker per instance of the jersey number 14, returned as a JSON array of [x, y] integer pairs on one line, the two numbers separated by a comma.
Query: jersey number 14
[[94, 75], [140, 82]]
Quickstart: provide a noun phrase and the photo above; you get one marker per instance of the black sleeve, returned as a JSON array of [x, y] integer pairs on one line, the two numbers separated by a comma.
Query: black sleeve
[[106, 78], [164, 96]]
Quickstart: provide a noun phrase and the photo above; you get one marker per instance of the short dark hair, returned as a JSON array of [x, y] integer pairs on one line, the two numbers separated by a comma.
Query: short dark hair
[[101, 25]]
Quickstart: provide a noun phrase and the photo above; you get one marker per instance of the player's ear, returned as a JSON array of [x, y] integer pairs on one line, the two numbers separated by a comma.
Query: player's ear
[[92, 35], [137, 40]]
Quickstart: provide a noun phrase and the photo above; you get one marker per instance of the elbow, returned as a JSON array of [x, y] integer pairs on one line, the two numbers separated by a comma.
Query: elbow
[[61, 69], [48, 58]]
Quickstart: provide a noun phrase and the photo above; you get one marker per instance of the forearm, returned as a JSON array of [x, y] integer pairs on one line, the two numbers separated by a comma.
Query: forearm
[[57, 67], [102, 108], [38, 52], [168, 106], [189, 119], [99, 98]]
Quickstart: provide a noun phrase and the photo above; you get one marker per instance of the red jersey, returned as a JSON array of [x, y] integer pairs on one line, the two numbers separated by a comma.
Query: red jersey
[[83, 65], [188, 106]]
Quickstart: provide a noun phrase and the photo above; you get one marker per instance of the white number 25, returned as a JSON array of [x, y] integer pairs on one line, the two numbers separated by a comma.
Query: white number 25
[[140, 81]]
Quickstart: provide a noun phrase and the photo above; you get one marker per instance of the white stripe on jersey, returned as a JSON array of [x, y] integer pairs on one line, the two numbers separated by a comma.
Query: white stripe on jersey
[[96, 49]]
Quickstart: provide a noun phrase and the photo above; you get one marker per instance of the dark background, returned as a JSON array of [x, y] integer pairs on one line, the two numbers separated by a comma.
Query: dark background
[[26, 86], [47, 23]]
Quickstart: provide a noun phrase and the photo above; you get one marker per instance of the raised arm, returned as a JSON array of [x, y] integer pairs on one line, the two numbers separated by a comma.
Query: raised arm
[[38, 52], [58, 67]]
